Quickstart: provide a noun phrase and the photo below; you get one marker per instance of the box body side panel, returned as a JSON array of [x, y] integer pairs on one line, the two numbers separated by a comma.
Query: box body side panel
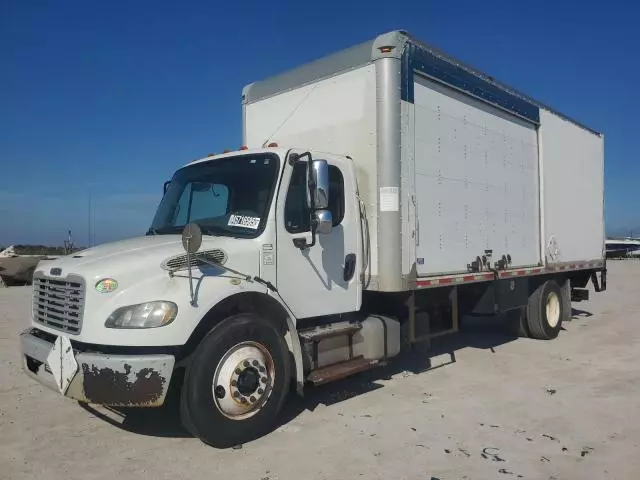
[[476, 170], [573, 189]]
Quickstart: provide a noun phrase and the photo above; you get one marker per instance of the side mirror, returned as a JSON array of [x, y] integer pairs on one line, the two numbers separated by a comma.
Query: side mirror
[[317, 184], [317, 200], [324, 221]]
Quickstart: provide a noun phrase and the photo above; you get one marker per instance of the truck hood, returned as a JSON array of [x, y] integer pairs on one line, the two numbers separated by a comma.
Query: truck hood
[[142, 255], [136, 266]]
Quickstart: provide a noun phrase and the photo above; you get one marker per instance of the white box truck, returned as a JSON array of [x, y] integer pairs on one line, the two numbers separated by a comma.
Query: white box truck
[[383, 192]]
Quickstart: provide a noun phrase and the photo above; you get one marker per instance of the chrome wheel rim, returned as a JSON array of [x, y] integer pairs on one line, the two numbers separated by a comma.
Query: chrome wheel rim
[[243, 380]]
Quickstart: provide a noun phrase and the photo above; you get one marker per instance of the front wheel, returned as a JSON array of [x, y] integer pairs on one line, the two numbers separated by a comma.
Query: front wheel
[[236, 382]]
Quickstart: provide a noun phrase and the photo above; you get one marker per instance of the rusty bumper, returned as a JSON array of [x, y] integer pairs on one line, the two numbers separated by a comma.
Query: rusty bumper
[[117, 380]]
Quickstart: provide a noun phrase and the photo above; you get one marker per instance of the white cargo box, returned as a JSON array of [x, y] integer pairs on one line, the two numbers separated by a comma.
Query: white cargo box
[[450, 163]]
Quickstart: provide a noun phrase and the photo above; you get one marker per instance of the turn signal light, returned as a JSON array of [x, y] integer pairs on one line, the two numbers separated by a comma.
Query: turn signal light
[[272, 145], [244, 147]]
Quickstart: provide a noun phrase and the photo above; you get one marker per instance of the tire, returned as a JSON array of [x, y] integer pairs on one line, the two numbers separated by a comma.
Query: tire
[[248, 359], [546, 311]]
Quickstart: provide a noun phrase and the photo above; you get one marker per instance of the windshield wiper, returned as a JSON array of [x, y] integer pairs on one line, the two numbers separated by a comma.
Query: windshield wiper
[[163, 231], [210, 231], [217, 231]]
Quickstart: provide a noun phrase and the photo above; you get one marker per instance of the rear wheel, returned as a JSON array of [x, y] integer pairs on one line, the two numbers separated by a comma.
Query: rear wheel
[[236, 382], [546, 311]]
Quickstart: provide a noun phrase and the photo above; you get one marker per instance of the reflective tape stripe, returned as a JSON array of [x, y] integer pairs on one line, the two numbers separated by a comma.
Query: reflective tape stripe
[[477, 277]]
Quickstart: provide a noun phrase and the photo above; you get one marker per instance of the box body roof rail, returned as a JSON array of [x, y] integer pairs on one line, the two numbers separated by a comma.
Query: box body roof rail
[[416, 56]]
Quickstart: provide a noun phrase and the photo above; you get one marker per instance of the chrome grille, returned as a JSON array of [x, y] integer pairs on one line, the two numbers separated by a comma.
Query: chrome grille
[[59, 302], [179, 262]]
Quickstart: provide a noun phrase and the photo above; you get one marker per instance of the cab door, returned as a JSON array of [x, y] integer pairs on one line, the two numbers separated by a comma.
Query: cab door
[[322, 279]]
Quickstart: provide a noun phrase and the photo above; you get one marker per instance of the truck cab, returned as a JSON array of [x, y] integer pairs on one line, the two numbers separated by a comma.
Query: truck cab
[[281, 240]]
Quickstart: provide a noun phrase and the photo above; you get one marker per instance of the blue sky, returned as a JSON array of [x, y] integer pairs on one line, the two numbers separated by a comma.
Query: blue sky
[[111, 97]]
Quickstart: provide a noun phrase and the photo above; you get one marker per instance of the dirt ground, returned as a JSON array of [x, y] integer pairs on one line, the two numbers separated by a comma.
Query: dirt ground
[[490, 407]]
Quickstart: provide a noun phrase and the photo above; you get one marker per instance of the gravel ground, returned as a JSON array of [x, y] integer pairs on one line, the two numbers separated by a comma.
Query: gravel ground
[[490, 407]]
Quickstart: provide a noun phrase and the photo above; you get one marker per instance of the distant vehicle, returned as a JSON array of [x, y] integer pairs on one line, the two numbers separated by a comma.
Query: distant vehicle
[[385, 191], [622, 247], [16, 269], [18, 262]]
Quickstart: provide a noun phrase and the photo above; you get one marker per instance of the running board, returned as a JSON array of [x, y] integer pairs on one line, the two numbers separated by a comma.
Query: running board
[[318, 334], [341, 370]]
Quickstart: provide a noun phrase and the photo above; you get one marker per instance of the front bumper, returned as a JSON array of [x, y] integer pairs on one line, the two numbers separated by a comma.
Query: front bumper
[[117, 380]]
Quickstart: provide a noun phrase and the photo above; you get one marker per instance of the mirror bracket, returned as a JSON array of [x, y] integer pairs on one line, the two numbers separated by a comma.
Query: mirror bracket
[[321, 222], [295, 157], [191, 241], [301, 242]]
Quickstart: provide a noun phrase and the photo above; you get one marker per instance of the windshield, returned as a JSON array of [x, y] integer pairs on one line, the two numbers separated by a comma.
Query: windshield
[[230, 196]]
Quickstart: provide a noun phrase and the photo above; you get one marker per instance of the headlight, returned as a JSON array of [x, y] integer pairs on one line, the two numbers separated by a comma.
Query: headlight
[[143, 315]]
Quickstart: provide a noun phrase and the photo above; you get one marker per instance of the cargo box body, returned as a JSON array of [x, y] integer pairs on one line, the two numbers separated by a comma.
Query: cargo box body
[[451, 165]]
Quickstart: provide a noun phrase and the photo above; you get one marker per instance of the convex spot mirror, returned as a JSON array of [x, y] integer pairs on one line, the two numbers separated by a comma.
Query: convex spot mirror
[[324, 221], [191, 238]]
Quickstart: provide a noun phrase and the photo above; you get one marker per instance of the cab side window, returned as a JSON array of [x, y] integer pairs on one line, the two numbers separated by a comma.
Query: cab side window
[[296, 211]]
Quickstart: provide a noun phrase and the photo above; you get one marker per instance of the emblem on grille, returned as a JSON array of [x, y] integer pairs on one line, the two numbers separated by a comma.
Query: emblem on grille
[[56, 271]]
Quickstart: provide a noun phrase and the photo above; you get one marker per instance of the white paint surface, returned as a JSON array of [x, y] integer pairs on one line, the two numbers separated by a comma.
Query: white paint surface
[[312, 280], [476, 174], [573, 173], [135, 264], [335, 115]]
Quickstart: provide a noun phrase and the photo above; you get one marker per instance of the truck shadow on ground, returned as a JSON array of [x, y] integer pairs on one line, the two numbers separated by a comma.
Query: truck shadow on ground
[[479, 333], [162, 421], [576, 313]]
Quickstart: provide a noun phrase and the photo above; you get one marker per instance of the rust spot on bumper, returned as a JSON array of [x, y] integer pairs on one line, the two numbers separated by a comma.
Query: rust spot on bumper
[[133, 380], [145, 387]]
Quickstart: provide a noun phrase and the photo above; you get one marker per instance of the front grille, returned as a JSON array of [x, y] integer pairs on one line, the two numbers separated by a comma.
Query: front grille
[[59, 302]]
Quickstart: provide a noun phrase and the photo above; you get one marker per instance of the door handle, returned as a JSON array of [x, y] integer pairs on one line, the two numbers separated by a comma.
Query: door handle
[[349, 266]]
